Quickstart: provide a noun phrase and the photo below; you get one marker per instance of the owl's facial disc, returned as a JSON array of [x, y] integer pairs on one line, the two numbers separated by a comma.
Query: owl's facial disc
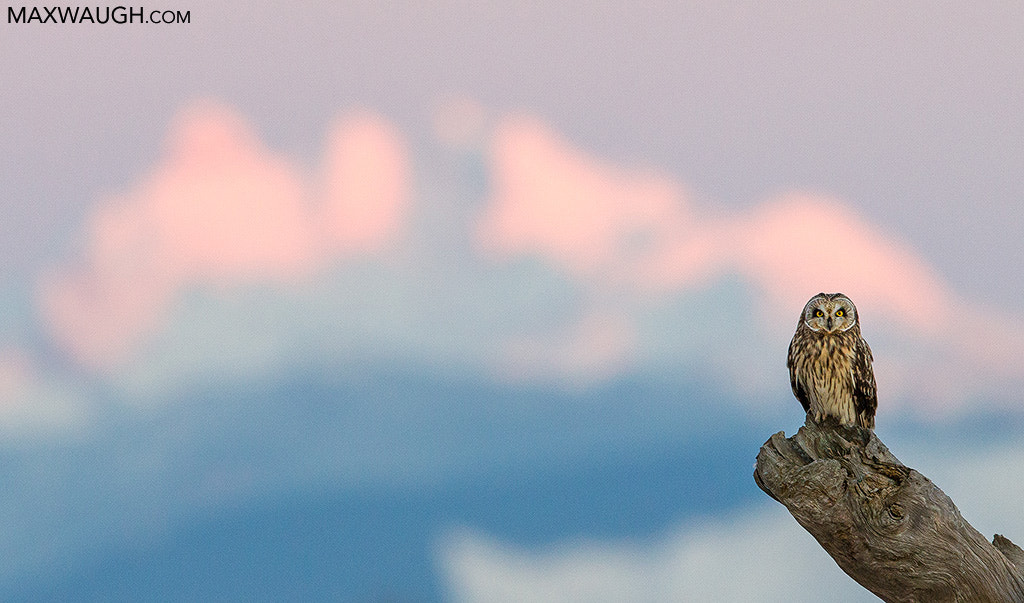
[[830, 315]]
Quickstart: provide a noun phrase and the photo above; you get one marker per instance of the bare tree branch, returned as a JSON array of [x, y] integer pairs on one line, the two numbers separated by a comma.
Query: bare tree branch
[[886, 525]]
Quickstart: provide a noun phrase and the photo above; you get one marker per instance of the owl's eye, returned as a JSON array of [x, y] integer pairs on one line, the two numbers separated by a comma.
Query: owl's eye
[[819, 313], [840, 312]]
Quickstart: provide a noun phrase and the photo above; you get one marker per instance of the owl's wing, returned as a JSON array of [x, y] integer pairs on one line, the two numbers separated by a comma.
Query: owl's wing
[[794, 380], [865, 396]]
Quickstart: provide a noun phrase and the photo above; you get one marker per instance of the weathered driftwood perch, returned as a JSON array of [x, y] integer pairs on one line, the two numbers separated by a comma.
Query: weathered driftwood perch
[[886, 525]]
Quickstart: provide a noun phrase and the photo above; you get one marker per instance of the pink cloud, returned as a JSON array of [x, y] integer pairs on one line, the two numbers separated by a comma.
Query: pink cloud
[[599, 221], [624, 230], [365, 184], [222, 209], [797, 245], [595, 219], [584, 214]]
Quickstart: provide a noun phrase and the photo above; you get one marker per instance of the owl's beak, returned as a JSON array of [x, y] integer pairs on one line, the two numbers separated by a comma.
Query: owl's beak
[[828, 323]]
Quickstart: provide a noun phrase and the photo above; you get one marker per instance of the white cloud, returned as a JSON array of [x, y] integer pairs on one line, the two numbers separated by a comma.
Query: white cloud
[[596, 345], [32, 404], [762, 555]]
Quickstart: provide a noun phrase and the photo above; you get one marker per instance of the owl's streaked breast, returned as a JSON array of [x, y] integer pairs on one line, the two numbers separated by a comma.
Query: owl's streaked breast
[[824, 368]]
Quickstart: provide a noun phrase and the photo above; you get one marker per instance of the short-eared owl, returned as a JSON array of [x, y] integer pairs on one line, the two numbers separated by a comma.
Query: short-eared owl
[[830, 363]]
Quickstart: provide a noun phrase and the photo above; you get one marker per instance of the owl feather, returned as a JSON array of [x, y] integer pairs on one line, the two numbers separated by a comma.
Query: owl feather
[[830, 363]]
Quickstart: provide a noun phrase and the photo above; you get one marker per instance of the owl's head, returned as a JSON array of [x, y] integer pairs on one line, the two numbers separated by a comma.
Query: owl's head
[[829, 313]]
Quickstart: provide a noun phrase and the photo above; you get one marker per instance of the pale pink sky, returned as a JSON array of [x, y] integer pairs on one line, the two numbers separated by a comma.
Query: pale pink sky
[[909, 112], [652, 150]]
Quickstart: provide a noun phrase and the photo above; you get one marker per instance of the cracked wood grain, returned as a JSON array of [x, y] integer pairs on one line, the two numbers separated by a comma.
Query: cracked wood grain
[[886, 525]]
